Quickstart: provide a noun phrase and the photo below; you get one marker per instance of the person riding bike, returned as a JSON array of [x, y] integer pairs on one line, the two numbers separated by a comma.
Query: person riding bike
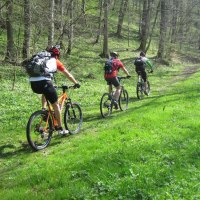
[[43, 85], [140, 66], [111, 77]]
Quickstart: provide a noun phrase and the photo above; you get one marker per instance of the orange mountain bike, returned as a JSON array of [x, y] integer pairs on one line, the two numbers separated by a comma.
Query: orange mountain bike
[[41, 124]]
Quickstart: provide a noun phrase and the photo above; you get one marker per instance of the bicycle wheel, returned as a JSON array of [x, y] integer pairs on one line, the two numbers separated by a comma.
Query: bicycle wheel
[[148, 88], [123, 100], [140, 91], [39, 130], [105, 105], [73, 118]]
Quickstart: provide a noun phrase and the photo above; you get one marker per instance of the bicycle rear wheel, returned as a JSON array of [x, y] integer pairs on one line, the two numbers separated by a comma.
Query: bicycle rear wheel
[[39, 130], [105, 105], [123, 100], [139, 91], [73, 118]]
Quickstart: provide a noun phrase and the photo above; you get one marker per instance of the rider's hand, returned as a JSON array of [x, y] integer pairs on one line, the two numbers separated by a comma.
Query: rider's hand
[[77, 85], [151, 71], [128, 76]]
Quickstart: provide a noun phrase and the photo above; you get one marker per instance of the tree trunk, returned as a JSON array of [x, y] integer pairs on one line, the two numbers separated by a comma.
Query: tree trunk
[[99, 21], [27, 29], [51, 24], [105, 53], [71, 27], [122, 12], [163, 30], [83, 6], [145, 24], [10, 56]]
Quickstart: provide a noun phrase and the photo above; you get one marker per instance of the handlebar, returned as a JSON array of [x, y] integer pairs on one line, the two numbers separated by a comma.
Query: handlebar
[[123, 77], [66, 87]]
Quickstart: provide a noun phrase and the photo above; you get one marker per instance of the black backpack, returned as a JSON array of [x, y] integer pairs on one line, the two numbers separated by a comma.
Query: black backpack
[[108, 66], [139, 62], [36, 65]]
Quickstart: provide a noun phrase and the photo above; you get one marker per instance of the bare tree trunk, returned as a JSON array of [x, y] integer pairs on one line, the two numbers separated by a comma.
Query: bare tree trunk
[[27, 29], [163, 30], [99, 21], [122, 12], [51, 24], [10, 56], [154, 24], [83, 6], [71, 27], [105, 53], [145, 24]]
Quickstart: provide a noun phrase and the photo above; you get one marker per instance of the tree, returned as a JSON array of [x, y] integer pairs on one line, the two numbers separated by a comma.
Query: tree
[[27, 29], [163, 29], [122, 11], [71, 30], [105, 53], [51, 23], [10, 55], [99, 21]]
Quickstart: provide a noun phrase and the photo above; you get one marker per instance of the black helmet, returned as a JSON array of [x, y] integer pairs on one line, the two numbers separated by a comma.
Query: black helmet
[[114, 54], [142, 54]]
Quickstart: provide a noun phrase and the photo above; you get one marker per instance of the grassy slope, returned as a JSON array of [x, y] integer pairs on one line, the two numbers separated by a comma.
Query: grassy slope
[[151, 151]]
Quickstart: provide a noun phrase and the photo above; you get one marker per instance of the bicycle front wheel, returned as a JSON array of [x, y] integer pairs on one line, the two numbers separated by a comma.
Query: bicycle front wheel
[[73, 118], [123, 100], [39, 130], [140, 91], [105, 105]]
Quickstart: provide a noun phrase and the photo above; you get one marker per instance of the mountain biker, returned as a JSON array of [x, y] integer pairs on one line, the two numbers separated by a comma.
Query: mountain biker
[[141, 68], [43, 85], [112, 79]]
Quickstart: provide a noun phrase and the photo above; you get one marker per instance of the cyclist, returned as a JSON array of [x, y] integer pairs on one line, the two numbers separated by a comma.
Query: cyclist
[[43, 85], [140, 65], [111, 77]]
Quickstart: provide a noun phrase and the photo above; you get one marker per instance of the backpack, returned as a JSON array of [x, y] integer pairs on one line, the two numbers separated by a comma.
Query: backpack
[[36, 65], [139, 62], [108, 66]]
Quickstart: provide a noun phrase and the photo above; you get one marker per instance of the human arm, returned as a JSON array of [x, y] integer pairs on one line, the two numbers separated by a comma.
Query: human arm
[[150, 65]]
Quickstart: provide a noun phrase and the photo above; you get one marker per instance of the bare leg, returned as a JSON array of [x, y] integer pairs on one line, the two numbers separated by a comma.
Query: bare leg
[[57, 113], [44, 102], [117, 93]]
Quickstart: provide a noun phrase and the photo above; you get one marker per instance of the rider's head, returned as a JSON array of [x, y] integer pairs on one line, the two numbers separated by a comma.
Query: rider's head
[[142, 54], [54, 50], [114, 54]]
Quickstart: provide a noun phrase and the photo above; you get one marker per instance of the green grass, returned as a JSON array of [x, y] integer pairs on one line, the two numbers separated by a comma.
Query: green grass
[[151, 151]]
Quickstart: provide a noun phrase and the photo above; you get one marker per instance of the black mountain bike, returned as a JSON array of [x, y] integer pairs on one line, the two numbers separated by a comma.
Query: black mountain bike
[[140, 89], [107, 101]]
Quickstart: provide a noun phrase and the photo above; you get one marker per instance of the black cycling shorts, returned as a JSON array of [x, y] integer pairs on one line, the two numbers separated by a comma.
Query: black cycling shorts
[[113, 81], [143, 73], [45, 87]]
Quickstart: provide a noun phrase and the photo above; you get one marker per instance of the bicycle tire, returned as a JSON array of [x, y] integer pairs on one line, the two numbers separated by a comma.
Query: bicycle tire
[[148, 88], [37, 137], [73, 118], [139, 91], [106, 105], [123, 100]]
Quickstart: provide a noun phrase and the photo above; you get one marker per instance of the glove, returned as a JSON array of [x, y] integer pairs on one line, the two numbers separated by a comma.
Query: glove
[[151, 71], [128, 76], [77, 85]]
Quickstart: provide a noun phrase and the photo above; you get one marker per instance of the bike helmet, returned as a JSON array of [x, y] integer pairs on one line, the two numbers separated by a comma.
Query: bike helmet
[[54, 50], [142, 54], [114, 54]]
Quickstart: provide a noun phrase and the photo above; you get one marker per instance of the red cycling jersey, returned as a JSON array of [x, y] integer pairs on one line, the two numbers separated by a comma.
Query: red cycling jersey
[[117, 64]]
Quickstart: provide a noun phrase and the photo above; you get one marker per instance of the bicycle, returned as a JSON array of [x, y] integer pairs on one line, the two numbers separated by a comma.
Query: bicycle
[[107, 100], [42, 123], [140, 89]]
